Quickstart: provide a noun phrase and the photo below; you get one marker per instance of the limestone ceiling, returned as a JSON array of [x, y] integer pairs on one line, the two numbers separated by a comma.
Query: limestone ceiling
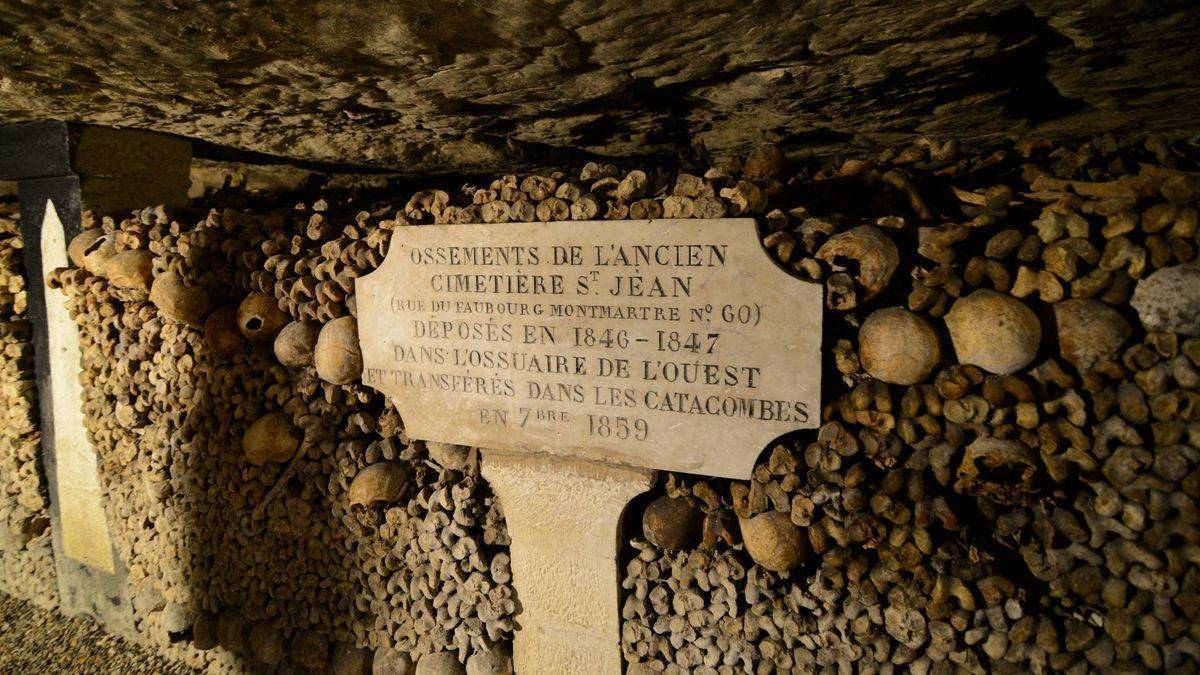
[[469, 86]]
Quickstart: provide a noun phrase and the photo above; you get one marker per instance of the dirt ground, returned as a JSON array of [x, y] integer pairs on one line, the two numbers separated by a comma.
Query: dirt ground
[[34, 640]]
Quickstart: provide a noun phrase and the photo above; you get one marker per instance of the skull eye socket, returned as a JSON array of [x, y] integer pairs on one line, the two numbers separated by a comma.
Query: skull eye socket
[[844, 263], [95, 245]]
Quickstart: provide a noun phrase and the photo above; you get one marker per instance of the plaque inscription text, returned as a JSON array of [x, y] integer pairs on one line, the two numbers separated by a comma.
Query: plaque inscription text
[[669, 344]]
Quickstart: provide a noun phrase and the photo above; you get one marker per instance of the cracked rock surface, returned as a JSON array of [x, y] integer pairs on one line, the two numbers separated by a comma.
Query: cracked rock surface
[[491, 86]]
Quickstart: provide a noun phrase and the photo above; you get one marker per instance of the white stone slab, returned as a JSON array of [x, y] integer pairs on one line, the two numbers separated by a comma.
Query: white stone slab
[[563, 515], [667, 344], [84, 528]]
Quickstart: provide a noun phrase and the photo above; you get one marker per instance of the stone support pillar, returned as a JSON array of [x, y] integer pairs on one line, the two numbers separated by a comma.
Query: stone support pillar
[[563, 517], [60, 171]]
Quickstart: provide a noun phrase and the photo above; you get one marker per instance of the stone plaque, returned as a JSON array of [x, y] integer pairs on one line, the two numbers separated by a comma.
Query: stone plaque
[[668, 344]]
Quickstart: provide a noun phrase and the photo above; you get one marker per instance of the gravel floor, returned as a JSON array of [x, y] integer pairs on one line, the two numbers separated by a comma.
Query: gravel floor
[[36, 641]]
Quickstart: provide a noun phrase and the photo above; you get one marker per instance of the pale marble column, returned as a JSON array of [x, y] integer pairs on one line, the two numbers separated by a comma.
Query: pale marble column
[[563, 516], [82, 524]]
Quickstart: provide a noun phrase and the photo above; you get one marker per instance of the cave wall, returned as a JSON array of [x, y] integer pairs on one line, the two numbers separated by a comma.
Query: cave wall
[[996, 495], [502, 86]]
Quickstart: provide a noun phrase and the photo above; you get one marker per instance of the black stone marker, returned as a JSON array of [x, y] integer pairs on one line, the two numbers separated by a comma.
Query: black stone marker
[[107, 171]]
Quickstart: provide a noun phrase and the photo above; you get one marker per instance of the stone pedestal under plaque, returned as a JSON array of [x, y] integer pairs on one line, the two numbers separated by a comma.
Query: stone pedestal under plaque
[[581, 356], [564, 516]]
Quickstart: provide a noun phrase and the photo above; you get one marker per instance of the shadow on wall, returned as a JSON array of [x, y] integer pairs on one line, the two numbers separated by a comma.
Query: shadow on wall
[[238, 488]]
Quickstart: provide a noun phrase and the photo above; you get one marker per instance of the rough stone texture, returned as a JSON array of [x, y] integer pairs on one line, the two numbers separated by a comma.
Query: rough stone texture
[[494, 86], [120, 169]]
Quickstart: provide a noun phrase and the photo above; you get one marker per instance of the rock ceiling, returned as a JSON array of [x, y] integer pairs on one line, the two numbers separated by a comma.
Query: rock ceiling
[[484, 85]]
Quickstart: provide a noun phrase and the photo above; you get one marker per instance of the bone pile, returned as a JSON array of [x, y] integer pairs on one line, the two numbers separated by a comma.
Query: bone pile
[[1005, 479], [270, 509], [26, 555]]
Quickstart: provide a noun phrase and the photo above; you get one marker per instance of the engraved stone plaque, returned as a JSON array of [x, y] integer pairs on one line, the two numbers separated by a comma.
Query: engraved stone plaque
[[667, 344]]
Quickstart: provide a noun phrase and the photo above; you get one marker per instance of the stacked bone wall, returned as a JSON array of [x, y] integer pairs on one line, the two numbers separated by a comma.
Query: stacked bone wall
[[1005, 480], [26, 555], [229, 477], [1006, 477]]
